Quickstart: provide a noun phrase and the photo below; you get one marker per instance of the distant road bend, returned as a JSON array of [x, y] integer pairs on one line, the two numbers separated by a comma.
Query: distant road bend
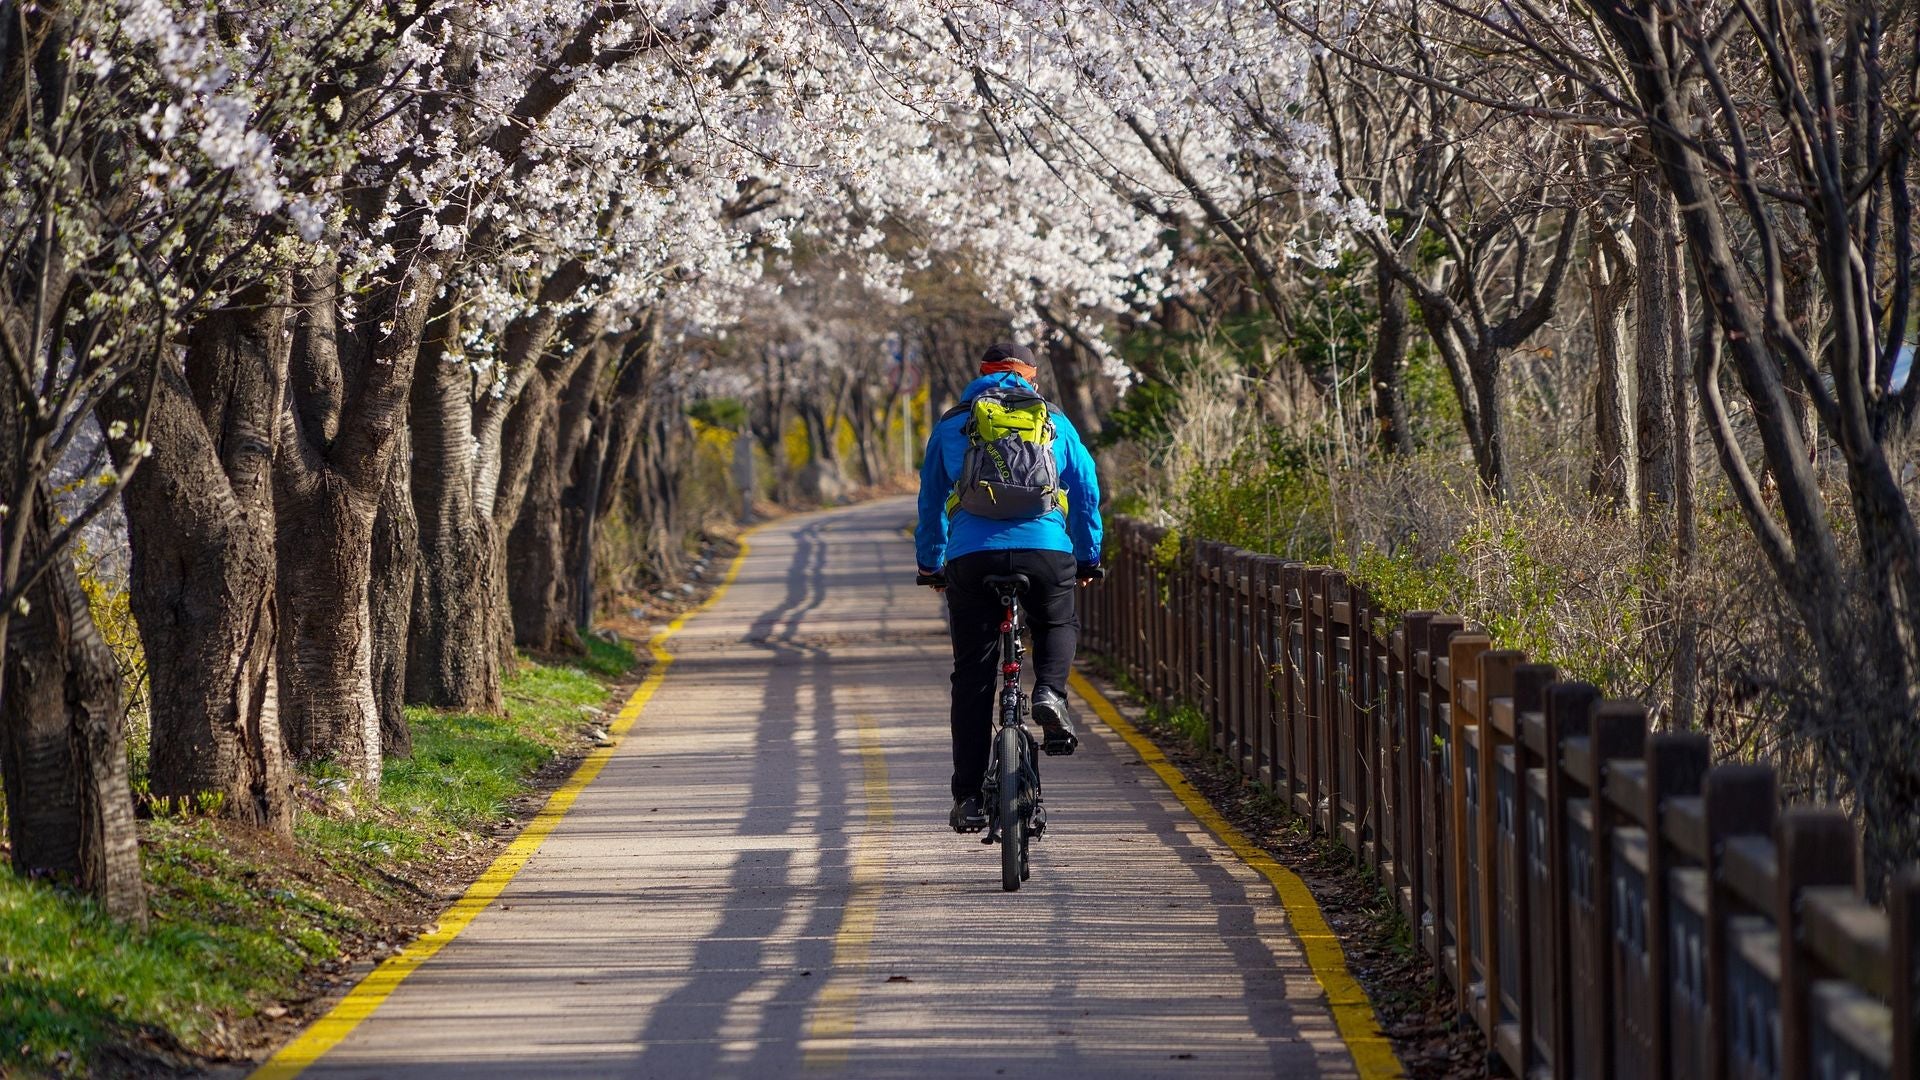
[[761, 882]]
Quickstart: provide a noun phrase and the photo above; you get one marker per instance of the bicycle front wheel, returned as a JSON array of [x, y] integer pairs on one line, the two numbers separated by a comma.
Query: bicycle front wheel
[[1013, 824]]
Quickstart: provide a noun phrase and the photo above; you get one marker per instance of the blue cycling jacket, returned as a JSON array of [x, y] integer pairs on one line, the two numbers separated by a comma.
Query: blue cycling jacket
[[938, 538]]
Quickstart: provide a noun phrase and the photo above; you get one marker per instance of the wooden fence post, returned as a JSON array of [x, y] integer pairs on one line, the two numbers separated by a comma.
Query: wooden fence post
[[1412, 695], [1241, 679], [1233, 648], [1619, 731], [1292, 678], [1266, 665], [1188, 624], [1739, 800], [1128, 594], [1343, 688], [1436, 801], [1903, 912], [1281, 635], [1370, 716], [1222, 651], [1532, 904], [1344, 802], [1493, 680], [1208, 639], [1313, 662], [1568, 716], [1676, 767], [1817, 846], [1143, 590], [1463, 649]]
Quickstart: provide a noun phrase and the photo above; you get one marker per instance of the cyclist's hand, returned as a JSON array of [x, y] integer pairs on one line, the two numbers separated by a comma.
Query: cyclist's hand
[[1088, 573], [932, 579]]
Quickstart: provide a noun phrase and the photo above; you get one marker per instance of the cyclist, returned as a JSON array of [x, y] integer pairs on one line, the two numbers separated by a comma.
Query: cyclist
[[1007, 488]]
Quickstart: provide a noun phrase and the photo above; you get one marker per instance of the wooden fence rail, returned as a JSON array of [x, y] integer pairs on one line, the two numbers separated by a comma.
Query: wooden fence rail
[[1603, 900]]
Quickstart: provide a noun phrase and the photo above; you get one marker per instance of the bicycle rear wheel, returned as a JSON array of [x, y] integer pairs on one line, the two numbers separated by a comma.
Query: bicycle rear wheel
[[1013, 824]]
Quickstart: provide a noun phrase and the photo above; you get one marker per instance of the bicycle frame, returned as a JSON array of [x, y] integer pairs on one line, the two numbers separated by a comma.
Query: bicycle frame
[[1012, 651], [1011, 713]]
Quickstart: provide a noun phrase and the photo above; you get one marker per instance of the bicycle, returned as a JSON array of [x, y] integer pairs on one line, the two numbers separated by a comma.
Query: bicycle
[[1010, 792]]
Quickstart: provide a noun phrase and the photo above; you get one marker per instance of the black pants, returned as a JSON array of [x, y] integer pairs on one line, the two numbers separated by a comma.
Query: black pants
[[976, 614]]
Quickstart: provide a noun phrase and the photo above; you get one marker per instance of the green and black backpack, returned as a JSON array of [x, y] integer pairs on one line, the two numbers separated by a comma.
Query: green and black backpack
[[1009, 473]]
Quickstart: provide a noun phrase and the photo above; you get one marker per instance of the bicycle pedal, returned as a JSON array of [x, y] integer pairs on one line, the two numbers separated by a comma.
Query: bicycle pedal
[[1060, 747]]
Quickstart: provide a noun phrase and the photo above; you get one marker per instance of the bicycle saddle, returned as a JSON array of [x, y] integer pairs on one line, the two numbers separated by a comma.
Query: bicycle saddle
[[1017, 582]]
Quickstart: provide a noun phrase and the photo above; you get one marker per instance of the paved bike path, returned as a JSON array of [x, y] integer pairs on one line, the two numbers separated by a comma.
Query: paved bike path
[[761, 882]]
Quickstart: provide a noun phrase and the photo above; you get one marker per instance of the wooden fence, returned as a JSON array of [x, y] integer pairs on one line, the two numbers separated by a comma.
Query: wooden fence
[[1602, 900]]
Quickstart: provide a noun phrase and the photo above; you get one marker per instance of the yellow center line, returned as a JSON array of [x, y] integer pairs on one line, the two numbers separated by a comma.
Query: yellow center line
[[366, 996], [1353, 1013], [830, 1034]]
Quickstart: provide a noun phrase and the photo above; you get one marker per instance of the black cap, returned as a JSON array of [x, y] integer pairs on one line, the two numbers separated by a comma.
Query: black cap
[[1007, 350]]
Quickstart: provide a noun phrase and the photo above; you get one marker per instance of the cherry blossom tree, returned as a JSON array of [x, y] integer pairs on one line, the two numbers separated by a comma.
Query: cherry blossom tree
[[344, 287], [144, 193]]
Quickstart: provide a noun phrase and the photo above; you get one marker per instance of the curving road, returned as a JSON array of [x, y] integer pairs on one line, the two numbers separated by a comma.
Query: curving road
[[761, 882]]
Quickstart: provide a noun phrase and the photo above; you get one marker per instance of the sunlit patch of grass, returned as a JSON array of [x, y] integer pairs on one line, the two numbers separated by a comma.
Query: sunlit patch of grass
[[607, 659], [221, 940]]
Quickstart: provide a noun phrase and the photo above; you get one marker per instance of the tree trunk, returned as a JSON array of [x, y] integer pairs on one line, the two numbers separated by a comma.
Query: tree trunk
[[824, 479], [536, 557], [1685, 427], [396, 547], [582, 501], [1490, 449], [658, 462], [348, 387], [200, 523], [531, 455], [861, 414], [1804, 314], [62, 743], [611, 456], [558, 514], [326, 656], [1615, 461], [1686, 650], [1658, 277], [1389, 364], [471, 475], [1074, 394], [452, 658]]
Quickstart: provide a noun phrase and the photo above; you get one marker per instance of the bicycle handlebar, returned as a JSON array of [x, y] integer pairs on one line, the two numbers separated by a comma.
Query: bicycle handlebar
[[932, 580]]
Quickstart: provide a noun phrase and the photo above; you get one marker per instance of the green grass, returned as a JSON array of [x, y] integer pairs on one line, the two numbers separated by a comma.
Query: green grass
[[606, 659], [73, 978], [1193, 726], [230, 931]]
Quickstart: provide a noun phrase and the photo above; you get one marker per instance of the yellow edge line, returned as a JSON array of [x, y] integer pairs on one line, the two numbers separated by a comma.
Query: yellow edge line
[[325, 1033], [830, 1035], [1353, 1013]]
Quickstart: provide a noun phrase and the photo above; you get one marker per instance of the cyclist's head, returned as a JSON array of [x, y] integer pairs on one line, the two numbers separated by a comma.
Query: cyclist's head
[[1009, 356]]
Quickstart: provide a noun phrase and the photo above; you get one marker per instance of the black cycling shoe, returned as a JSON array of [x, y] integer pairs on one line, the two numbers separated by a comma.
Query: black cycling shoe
[[967, 815], [1056, 724]]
